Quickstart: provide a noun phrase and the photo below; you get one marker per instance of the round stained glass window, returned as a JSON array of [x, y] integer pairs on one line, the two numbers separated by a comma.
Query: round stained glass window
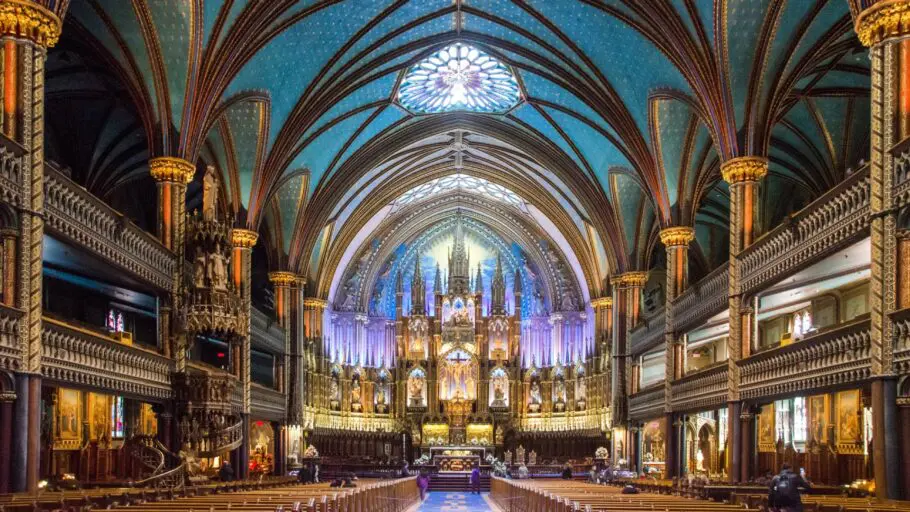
[[459, 78]]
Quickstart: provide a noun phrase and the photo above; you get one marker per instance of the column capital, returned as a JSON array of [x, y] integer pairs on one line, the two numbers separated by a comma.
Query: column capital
[[30, 20], [628, 279], [678, 236], [744, 168], [244, 238], [883, 20], [171, 169], [314, 302], [602, 302], [283, 278]]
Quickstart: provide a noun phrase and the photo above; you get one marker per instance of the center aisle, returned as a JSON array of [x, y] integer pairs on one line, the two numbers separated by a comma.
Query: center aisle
[[454, 502]]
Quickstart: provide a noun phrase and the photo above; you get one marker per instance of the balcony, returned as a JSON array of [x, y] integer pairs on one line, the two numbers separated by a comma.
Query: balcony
[[267, 403], [836, 357], [266, 333], [702, 300], [647, 403], [78, 356], [901, 321], [648, 334], [703, 389], [10, 353]]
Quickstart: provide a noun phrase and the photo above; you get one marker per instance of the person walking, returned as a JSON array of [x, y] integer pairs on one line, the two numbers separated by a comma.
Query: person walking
[[784, 490], [475, 479], [423, 483]]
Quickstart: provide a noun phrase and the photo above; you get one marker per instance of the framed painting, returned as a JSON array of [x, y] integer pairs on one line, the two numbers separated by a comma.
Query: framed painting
[[849, 427], [148, 421], [819, 406], [99, 420], [766, 432], [68, 420]]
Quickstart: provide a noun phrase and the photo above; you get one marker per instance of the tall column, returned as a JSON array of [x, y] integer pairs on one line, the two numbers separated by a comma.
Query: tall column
[[313, 313], [904, 436], [172, 175], [7, 399], [676, 240], [743, 174], [626, 306], [242, 241], [283, 286], [603, 332], [884, 27], [27, 30]]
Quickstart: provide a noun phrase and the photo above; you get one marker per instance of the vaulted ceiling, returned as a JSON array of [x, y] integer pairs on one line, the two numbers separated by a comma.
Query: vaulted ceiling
[[627, 109]]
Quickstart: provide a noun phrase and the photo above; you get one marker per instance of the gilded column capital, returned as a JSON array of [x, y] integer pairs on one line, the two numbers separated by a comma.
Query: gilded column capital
[[678, 236], [313, 302], [744, 168], [244, 238], [630, 279], [29, 20], [883, 20], [283, 278], [171, 169], [602, 302]]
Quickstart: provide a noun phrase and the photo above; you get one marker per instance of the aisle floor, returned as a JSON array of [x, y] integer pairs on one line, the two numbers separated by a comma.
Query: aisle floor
[[454, 502]]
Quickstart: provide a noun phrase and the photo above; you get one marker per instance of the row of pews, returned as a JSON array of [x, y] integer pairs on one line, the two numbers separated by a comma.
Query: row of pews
[[569, 496], [275, 495], [816, 503]]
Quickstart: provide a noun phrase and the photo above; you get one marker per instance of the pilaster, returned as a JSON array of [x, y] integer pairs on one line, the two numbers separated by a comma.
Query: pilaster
[[626, 305], [243, 241]]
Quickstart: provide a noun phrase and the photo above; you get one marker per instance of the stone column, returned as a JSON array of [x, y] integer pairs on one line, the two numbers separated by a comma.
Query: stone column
[[27, 30], [172, 175], [676, 240], [747, 427], [884, 27], [283, 286], [743, 174], [242, 241], [626, 306], [603, 336], [6, 438], [314, 309]]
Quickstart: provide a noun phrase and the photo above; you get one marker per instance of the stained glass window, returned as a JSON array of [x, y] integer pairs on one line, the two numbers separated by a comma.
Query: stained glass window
[[459, 78], [117, 418]]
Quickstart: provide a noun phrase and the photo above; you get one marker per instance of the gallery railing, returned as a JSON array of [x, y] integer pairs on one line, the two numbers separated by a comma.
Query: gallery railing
[[648, 334], [267, 403], [702, 389], [647, 403], [702, 300], [10, 353]]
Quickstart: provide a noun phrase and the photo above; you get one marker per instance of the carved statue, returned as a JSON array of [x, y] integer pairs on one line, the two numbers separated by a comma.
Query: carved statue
[[188, 458], [380, 396], [219, 269], [334, 391], [581, 389], [199, 269], [415, 389], [355, 392], [535, 393], [209, 194], [539, 307], [560, 391]]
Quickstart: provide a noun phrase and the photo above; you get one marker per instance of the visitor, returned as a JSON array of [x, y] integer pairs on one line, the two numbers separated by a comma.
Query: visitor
[[567, 472], [423, 482], [592, 476], [629, 489], [349, 480], [404, 470], [337, 482], [305, 474], [784, 490], [523, 473], [226, 472], [475, 479]]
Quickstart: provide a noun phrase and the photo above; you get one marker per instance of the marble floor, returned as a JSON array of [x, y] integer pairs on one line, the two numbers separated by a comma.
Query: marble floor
[[442, 501]]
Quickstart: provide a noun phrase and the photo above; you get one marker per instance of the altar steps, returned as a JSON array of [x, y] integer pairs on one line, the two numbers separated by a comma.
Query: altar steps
[[457, 482]]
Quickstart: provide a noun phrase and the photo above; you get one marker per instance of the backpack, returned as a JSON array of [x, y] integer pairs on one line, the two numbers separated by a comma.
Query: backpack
[[785, 490]]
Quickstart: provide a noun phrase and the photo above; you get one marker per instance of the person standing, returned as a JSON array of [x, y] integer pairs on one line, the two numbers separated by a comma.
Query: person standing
[[567, 472], [423, 482], [226, 472], [784, 490], [475, 479]]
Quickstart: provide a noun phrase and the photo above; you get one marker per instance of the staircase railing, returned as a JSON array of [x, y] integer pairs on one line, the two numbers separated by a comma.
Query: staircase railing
[[222, 441], [173, 479], [144, 449]]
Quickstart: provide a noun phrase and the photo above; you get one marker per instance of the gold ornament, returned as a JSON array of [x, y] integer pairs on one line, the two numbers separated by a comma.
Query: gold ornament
[[630, 279], [744, 168], [602, 302], [29, 20], [883, 20], [172, 169], [313, 302], [244, 238], [282, 278], [678, 236]]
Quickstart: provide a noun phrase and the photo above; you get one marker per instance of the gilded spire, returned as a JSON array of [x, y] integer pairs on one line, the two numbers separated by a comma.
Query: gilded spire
[[478, 281], [437, 282]]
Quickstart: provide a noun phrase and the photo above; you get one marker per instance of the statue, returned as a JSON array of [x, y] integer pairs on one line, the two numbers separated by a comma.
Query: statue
[[334, 392], [581, 389], [560, 391], [535, 393], [199, 269], [415, 390], [539, 307], [532, 458], [209, 194], [219, 269], [188, 458], [520, 454], [355, 394]]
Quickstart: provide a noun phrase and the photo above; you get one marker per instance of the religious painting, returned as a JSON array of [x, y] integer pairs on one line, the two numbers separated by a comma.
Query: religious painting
[[766, 432], [99, 416], [458, 377], [480, 434], [148, 421], [818, 418], [417, 386], [652, 441], [849, 429], [68, 420]]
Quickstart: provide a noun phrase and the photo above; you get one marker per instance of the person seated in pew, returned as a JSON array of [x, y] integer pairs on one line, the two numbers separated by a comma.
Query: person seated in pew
[[349, 480], [784, 490], [567, 472], [593, 476], [226, 472], [305, 475], [629, 489], [337, 482]]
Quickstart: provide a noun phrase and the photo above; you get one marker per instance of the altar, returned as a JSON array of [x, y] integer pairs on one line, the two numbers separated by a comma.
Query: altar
[[457, 459]]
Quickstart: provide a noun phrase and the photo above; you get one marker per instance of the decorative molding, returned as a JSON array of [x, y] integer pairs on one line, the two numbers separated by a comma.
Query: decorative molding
[[10, 172], [28, 19], [314, 302], [630, 279], [172, 170], [702, 300], [283, 278], [10, 352], [648, 333], [602, 302], [679, 236], [267, 403], [266, 333], [705, 389], [76, 356], [647, 403], [78, 216], [883, 20], [743, 169]]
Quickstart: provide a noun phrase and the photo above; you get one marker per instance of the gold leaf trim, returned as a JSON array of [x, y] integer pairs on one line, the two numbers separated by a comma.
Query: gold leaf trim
[[172, 169], [884, 20], [744, 168], [31, 21], [244, 238], [677, 236]]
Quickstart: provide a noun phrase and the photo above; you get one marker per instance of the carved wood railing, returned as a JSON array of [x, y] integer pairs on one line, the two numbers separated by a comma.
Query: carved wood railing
[[901, 354], [831, 358], [10, 171], [144, 449], [702, 300], [74, 355], [833, 221], [267, 403], [76, 215], [10, 354], [173, 479], [704, 389], [648, 334], [266, 333], [647, 403], [901, 186], [223, 441]]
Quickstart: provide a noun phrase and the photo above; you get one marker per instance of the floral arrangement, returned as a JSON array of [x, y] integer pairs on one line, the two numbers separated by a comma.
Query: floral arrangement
[[601, 453], [423, 460], [310, 452], [499, 467]]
